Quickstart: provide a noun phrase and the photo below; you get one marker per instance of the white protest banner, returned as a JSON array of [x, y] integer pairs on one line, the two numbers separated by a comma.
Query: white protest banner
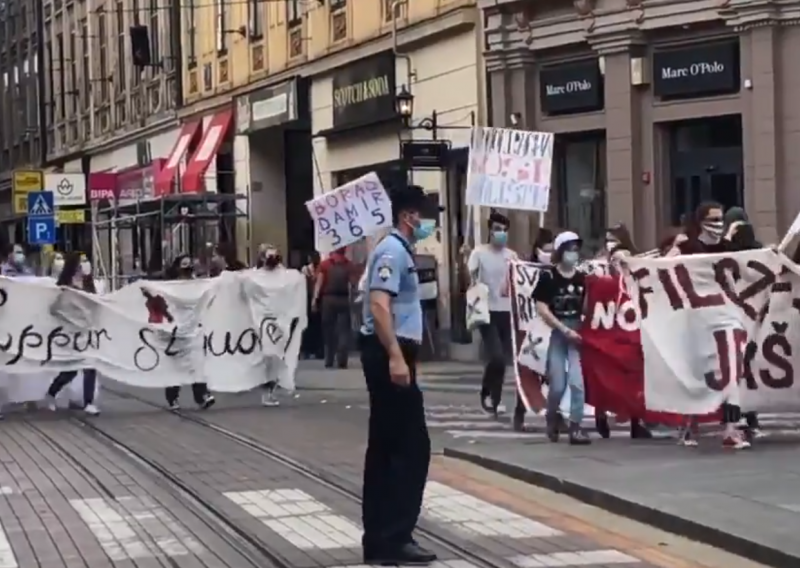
[[697, 314], [534, 333], [225, 331], [509, 168], [350, 212]]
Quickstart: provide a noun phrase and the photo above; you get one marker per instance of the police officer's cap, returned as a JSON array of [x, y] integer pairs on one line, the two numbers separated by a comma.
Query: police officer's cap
[[412, 198]]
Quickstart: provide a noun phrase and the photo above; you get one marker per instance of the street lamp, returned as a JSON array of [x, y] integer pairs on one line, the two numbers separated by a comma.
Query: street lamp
[[404, 105]]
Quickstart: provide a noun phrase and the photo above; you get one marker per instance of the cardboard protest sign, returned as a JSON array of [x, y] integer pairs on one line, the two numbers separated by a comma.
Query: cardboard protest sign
[[350, 212], [509, 168]]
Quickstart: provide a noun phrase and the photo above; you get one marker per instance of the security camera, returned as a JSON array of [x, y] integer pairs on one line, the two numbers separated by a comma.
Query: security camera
[[515, 118]]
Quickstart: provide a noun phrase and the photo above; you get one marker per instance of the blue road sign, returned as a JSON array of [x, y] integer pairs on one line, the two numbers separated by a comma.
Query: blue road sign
[[41, 204], [41, 218], [41, 230]]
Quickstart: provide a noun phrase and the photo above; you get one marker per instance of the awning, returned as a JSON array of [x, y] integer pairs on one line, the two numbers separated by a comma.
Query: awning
[[206, 151], [163, 181]]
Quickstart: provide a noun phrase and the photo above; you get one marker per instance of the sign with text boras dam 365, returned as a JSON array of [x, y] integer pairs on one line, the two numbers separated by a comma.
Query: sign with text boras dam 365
[[364, 92]]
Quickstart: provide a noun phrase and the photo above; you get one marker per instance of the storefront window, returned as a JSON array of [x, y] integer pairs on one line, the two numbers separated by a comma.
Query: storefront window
[[580, 165]]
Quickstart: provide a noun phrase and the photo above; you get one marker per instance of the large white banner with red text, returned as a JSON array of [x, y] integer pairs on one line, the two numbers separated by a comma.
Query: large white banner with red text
[[694, 332], [717, 328]]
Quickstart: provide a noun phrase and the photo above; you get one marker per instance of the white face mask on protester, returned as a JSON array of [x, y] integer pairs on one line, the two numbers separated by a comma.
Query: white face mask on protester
[[712, 231]]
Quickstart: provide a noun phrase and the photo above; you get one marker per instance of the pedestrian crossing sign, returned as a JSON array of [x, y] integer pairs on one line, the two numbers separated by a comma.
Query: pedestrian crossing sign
[[40, 204]]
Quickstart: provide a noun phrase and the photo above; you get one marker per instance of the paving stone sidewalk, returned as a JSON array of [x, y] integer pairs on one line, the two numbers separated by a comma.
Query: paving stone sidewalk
[[241, 481], [55, 515], [746, 503]]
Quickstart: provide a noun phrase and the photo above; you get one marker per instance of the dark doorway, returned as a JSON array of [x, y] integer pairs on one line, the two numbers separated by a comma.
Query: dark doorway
[[706, 164]]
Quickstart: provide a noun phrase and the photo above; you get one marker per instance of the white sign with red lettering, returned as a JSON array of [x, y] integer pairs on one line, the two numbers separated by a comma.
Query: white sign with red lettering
[[509, 168], [350, 212], [709, 334]]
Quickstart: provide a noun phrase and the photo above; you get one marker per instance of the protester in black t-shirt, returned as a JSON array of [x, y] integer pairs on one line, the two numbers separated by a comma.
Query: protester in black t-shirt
[[559, 297]]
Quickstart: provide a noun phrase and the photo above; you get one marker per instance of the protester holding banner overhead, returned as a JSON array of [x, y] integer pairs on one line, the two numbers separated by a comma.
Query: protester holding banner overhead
[[705, 235], [488, 265], [75, 275], [398, 445], [559, 297], [182, 268], [270, 259]]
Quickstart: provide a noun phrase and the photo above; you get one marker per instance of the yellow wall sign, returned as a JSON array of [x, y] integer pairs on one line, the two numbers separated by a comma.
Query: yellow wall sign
[[27, 181], [23, 182], [70, 216], [20, 203]]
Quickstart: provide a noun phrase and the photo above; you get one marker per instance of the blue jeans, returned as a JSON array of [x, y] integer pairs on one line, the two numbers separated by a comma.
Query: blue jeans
[[564, 370]]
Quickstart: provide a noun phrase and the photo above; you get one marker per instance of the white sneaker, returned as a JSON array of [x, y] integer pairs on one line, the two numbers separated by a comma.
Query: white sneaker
[[175, 406], [208, 402], [50, 403], [269, 398], [91, 410]]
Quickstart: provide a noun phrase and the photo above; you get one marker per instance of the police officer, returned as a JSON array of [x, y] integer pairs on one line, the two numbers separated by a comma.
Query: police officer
[[398, 447]]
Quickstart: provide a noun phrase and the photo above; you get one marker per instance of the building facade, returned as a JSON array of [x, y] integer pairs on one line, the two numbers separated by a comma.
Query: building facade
[[313, 86], [656, 107], [22, 136]]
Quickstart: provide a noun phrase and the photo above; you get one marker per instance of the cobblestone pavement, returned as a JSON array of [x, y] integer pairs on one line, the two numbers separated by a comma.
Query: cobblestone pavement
[[180, 495], [310, 524]]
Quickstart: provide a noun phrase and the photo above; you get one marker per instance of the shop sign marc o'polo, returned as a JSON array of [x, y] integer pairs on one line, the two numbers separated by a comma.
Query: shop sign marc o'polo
[[571, 87], [696, 70]]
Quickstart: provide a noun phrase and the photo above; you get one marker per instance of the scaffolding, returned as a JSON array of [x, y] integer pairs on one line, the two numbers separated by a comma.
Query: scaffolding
[[143, 237]]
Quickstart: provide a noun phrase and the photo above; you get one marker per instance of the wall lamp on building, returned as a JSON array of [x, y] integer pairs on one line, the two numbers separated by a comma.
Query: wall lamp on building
[[404, 105]]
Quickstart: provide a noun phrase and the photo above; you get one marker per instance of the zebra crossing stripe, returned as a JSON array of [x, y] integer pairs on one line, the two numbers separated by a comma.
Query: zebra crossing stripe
[[476, 517], [579, 558], [7, 558], [130, 528], [297, 517]]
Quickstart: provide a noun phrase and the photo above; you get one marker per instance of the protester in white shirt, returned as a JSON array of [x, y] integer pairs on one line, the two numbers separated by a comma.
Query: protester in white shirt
[[488, 264]]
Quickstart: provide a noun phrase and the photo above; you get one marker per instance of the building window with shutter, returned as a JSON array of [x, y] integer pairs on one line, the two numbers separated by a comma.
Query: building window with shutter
[[221, 25], [257, 19]]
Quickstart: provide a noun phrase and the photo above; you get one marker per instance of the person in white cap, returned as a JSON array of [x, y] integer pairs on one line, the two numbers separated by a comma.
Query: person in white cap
[[559, 297]]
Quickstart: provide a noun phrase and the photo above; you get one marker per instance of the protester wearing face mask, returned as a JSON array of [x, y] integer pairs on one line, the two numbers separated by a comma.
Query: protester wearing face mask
[[16, 263], [398, 445], [488, 264], [543, 246], [182, 268], [705, 235], [739, 232], [224, 259], [270, 259], [559, 297], [57, 265], [75, 276]]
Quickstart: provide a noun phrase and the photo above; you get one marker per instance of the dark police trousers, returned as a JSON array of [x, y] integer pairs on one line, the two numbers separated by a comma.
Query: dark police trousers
[[65, 377], [336, 329], [199, 392], [398, 449]]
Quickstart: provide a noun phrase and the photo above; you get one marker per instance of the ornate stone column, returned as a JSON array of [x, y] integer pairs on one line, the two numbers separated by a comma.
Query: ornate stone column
[[625, 190]]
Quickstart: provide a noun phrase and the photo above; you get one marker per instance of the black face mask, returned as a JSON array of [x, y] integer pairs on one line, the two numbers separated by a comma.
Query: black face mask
[[272, 261], [186, 271]]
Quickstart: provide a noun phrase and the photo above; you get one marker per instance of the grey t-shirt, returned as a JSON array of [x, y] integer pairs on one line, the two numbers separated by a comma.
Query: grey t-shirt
[[491, 265]]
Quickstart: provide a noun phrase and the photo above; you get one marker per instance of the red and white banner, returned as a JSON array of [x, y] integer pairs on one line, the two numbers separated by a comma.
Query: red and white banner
[[718, 328], [695, 332]]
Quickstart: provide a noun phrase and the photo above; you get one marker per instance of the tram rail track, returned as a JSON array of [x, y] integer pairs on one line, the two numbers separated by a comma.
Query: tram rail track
[[242, 537]]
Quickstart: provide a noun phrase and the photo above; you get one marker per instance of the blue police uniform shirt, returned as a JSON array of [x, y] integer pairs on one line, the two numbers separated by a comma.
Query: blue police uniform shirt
[[390, 268]]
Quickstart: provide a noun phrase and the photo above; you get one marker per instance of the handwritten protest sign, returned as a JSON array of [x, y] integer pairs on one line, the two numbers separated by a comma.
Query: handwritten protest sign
[[350, 212], [509, 168], [225, 331]]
